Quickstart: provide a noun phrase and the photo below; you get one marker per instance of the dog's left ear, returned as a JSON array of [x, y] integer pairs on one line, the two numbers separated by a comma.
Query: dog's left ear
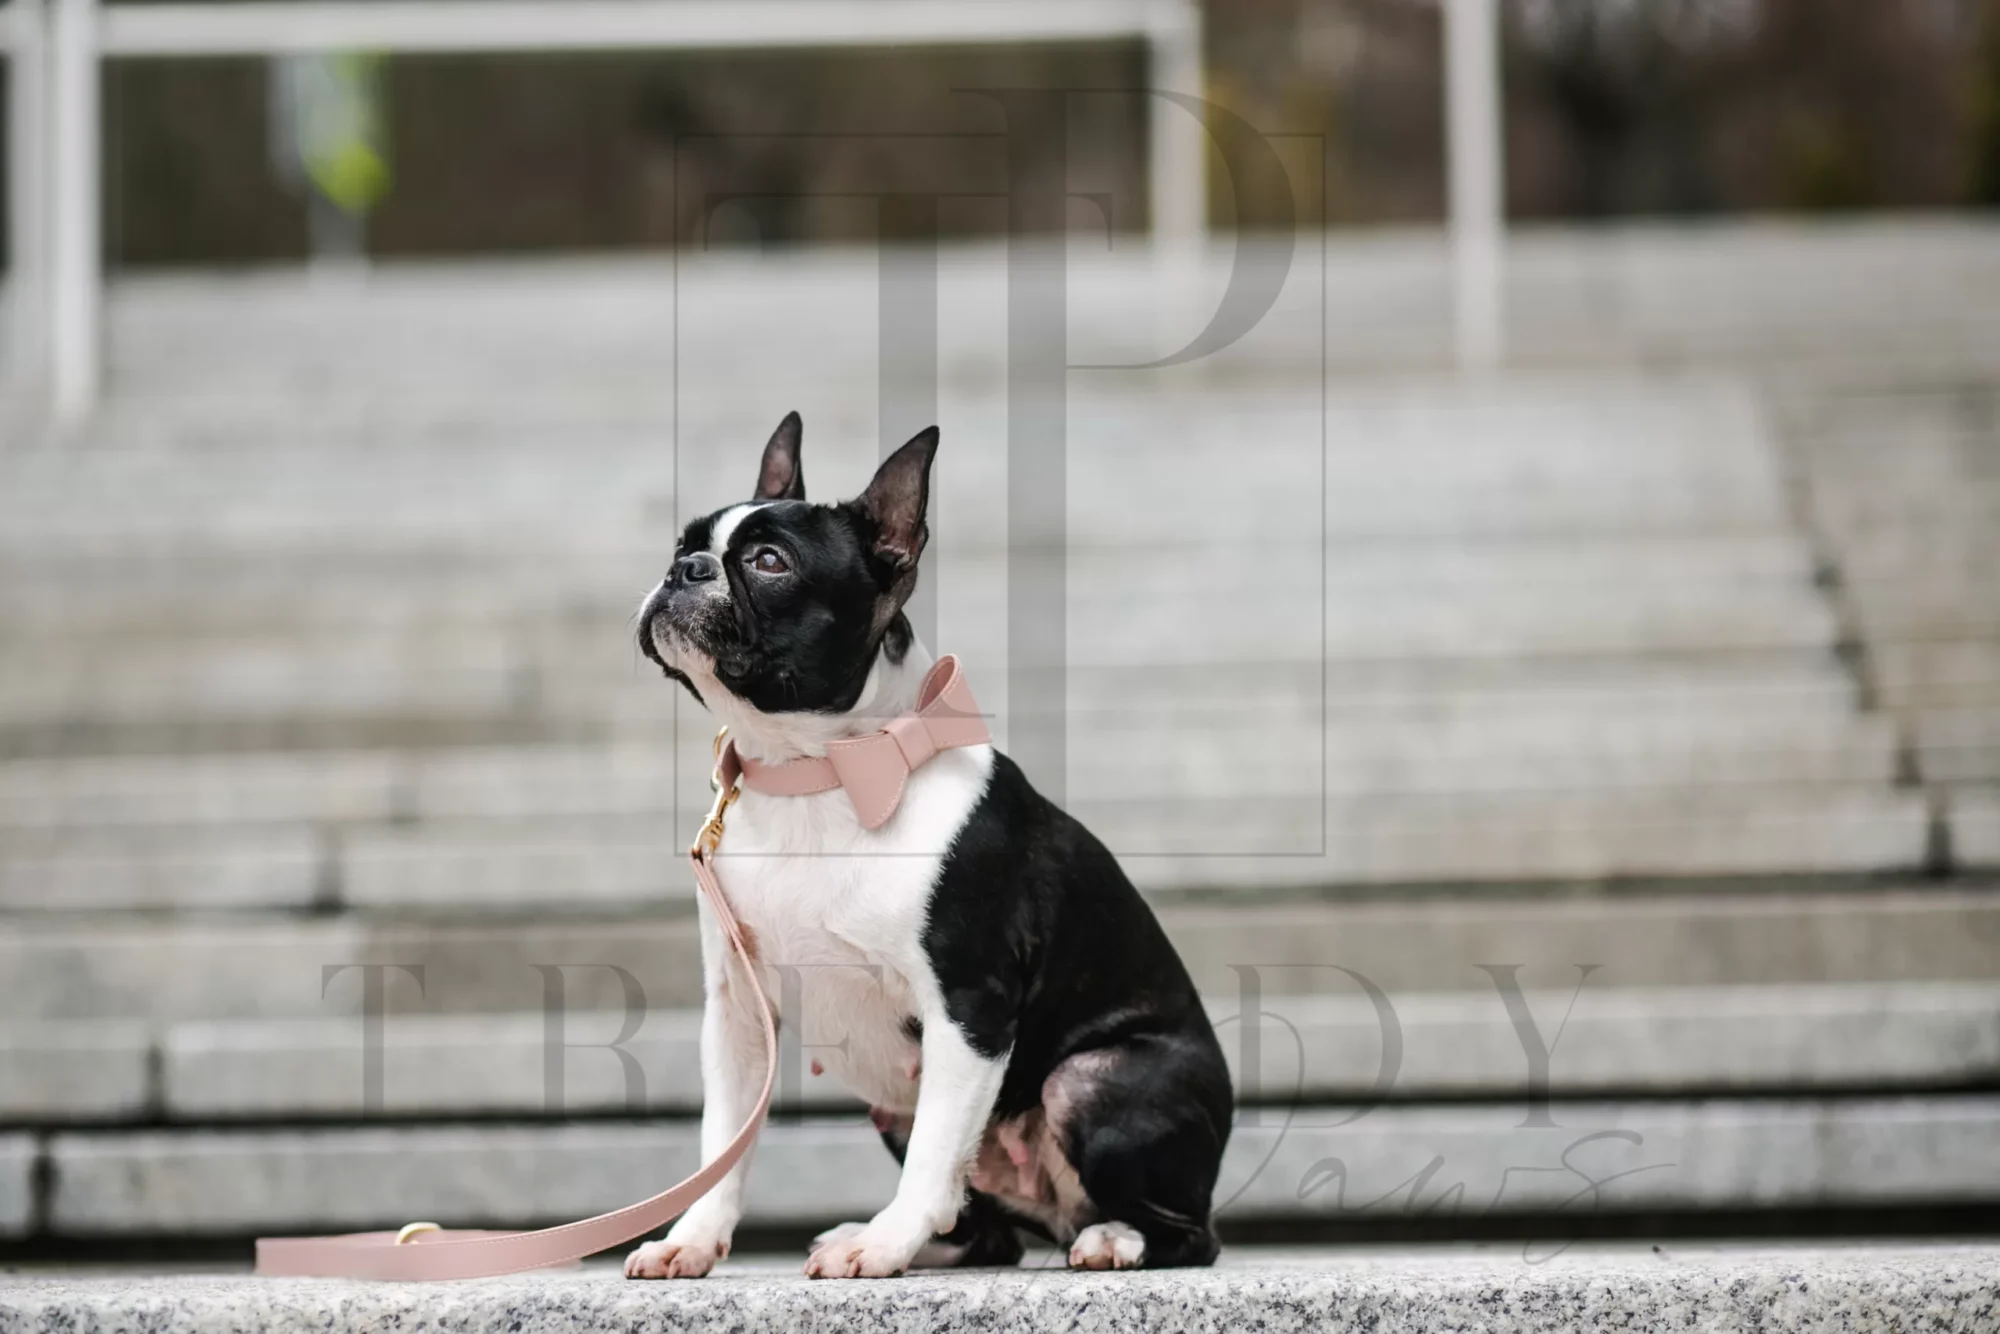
[[779, 477], [897, 498]]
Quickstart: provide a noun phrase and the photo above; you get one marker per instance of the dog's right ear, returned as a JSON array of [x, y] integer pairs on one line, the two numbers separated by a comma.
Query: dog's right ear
[[780, 477]]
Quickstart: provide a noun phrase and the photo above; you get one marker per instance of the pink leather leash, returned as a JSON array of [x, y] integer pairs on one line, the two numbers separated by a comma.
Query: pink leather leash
[[874, 769], [426, 1251]]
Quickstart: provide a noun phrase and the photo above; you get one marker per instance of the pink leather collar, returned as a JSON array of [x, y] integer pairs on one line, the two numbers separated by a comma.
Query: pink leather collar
[[875, 768]]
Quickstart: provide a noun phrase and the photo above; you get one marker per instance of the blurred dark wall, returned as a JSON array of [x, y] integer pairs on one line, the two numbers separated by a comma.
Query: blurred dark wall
[[608, 151], [1697, 106], [1656, 107]]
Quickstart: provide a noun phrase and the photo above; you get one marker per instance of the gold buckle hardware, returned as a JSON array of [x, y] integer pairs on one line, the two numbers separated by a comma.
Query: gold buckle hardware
[[415, 1230], [709, 836]]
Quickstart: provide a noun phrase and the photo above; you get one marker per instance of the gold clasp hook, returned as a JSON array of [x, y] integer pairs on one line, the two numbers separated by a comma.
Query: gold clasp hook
[[709, 836], [411, 1230]]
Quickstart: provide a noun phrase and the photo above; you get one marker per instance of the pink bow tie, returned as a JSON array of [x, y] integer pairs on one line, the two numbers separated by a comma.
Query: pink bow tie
[[875, 768]]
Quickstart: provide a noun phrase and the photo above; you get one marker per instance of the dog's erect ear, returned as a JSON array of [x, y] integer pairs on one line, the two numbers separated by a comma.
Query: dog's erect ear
[[780, 478], [898, 497]]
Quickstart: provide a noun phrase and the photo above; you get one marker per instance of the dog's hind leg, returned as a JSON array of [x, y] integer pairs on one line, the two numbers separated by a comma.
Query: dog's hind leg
[[983, 1236], [1143, 1124], [1111, 1245]]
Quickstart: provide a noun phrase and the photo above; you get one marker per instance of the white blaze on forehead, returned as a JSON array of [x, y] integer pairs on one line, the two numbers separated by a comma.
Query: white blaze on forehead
[[725, 525]]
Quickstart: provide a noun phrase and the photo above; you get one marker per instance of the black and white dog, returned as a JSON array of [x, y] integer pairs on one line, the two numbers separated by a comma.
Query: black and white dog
[[978, 968]]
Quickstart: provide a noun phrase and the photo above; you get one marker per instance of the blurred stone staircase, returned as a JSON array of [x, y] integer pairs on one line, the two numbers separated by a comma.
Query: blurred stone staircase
[[1904, 488], [1656, 695]]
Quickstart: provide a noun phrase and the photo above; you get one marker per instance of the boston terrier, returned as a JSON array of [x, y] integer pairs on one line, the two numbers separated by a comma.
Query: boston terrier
[[978, 968]]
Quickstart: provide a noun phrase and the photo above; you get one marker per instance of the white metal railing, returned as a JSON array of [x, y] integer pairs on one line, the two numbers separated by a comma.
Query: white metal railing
[[572, 25], [1475, 187], [23, 32], [58, 48]]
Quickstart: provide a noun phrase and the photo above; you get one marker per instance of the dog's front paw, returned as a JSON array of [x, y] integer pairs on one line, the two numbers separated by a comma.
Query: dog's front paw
[[856, 1250], [838, 1232], [674, 1259]]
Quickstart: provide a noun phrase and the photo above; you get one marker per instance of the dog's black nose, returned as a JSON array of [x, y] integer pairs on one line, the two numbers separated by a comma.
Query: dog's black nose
[[698, 568]]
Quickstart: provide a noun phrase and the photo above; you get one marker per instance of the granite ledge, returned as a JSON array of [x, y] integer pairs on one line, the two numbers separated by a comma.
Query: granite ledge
[[1855, 1289]]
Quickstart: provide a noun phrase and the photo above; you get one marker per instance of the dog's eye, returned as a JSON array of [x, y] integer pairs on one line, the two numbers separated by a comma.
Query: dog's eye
[[769, 560]]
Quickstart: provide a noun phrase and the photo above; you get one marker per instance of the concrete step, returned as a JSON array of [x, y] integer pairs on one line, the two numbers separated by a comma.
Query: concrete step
[[265, 694], [1286, 1049], [146, 791], [1452, 435], [1257, 750], [1975, 827], [1299, 1048], [1905, 488], [1112, 621], [18, 1156], [219, 593], [1517, 838], [604, 698], [1939, 593], [1224, 843], [1902, 449], [1597, 323], [1958, 745], [317, 691], [119, 967], [1926, 503], [1451, 475], [510, 656], [1936, 673], [1924, 614], [1854, 417], [1806, 684], [306, 727], [225, 868], [619, 703], [1901, 443], [1967, 505], [1608, 436], [1745, 297], [304, 515], [1507, 1290], [1357, 758], [540, 318], [1657, 1156], [141, 967], [1589, 620], [556, 330], [78, 1070]]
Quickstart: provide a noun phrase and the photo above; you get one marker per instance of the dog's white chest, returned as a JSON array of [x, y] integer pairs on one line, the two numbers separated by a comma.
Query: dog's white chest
[[838, 914]]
